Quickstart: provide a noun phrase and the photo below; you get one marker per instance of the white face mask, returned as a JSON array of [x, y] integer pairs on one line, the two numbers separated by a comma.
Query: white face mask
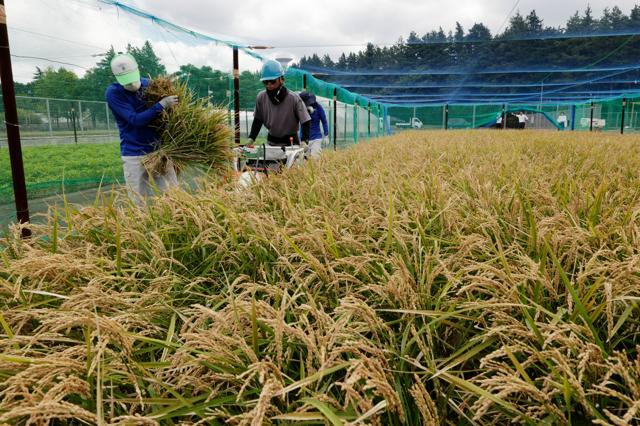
[[133, 87], [310, 109]]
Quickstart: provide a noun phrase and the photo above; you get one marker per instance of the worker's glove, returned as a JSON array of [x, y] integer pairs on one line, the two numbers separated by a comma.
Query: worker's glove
[[325, 141], [250, 142], [304, 145], [168, 101]]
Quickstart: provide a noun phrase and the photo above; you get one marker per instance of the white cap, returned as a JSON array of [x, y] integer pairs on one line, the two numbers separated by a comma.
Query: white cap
[[125, 68]]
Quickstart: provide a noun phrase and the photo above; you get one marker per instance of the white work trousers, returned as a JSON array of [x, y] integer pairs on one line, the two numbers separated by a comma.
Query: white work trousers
[[140, 184], [315, 148]]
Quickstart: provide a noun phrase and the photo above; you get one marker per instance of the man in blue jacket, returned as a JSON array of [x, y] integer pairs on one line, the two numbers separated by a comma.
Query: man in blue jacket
[[137, 137], [317, 116]]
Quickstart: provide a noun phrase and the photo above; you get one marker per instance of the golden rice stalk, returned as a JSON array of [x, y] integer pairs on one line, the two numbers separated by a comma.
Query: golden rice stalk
[[193, 132]]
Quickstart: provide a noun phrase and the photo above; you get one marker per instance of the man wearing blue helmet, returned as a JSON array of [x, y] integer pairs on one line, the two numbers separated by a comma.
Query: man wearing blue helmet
[[280, 110]]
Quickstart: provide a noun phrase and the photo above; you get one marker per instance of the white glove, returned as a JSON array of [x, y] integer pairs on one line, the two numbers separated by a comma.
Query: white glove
[[168, 101], [304, 146]]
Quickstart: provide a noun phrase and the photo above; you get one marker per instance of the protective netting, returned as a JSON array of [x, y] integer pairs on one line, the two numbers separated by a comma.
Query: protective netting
[[618, 114]]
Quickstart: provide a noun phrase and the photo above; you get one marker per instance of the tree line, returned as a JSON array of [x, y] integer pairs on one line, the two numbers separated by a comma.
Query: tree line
[[525, 43], [204, 81]]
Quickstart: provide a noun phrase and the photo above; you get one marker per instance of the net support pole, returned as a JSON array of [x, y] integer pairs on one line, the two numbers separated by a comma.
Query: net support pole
[[73, 121], [13, 129], [446, 116], [573, 118], [624, 106], [473, 118], [591, 118], [236, 94], [304, 82], [106, 110], [346, 112], [386, 126], [369, 120], [49, 118], [504, 116], [80, 122], [356, 124], [335, 119]]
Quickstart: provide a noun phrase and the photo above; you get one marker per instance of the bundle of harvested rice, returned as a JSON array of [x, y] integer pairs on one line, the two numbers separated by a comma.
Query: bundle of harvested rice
[[193, 132]]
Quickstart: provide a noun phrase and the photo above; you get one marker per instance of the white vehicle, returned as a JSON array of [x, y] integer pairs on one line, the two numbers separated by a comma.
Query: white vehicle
[[598, 123], [255, 162], [415, 123]]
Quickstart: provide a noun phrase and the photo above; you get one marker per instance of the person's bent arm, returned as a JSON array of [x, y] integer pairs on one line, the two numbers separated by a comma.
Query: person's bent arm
[[123, 109], [323, 119], [306, 129], [255, 128]]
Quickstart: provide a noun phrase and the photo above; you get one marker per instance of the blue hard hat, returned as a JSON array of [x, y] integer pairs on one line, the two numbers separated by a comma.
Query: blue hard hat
[[271, 70]]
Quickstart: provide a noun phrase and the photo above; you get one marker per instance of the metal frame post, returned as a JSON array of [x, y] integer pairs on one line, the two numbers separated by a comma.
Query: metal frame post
[[346, 109], [473, 118], [106, 108], [13, 126], [369, 119], [335, 119], [591, 120], [446, 116], [80, 116], [304, 82], [73, 121], [49, 118], [356, 125], [624, 106], [573, 118], [504, 116], [236, 95]]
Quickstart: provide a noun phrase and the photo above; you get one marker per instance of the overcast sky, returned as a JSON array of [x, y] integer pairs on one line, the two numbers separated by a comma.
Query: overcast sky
[[78, 29]]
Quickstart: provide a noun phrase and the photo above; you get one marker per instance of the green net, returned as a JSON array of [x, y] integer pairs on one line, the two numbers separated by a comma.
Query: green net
[[620, 114]]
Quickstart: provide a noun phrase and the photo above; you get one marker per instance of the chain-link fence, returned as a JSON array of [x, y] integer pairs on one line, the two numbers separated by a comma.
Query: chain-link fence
[[62, 121]]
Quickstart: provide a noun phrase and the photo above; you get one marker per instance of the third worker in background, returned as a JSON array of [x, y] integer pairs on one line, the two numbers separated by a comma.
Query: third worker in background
[[280, 110], [317, 116]]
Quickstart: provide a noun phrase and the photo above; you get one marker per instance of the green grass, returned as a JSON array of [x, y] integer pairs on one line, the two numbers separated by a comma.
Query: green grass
[[80, 166]]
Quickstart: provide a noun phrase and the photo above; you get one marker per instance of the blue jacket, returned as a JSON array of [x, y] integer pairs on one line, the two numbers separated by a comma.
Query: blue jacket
[[318, 116], [133, 118]]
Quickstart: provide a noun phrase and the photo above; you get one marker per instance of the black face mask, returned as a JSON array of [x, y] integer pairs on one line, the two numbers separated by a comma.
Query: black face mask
[[278, 95]]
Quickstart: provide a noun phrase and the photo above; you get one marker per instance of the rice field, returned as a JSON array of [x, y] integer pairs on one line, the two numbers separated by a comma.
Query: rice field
[[481, 277]]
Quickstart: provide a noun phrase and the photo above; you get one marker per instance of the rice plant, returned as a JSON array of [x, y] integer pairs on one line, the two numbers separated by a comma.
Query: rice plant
[[427, 278], [192, 133]]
